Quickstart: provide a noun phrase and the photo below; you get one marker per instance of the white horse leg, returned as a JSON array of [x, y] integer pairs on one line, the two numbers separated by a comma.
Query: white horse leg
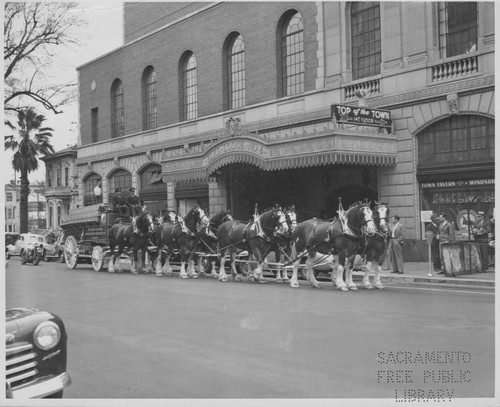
[[213, 271], [111, 265], [366, 277], [259, 275], [378, 283], [191, 271], [157, 263], [339, 280], [294, 282], [310, 272], [183, 273], [348, 276], [167, 269], [222, 271], [133, 268], [234, 272]]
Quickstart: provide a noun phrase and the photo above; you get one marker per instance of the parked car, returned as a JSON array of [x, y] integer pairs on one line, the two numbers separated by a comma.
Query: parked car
[[36, 354], [54, 249], [10, 239], [24, 239]]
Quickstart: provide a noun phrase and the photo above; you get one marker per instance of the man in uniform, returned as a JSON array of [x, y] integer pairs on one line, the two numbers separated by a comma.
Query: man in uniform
[[133, 206], [481, 237], [118, 203]]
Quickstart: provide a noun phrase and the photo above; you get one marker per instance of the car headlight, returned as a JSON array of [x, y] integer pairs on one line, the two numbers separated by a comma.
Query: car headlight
[[47, 335]]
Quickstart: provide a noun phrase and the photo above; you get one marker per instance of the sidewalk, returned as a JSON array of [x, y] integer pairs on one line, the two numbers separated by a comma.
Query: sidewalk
[[417, 272]]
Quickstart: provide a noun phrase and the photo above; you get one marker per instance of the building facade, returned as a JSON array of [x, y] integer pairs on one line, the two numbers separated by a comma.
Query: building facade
[[36, 207], [228, 105], [61, 186]]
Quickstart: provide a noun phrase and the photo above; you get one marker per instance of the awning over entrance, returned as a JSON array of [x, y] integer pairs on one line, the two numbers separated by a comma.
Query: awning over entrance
[[309, 151]]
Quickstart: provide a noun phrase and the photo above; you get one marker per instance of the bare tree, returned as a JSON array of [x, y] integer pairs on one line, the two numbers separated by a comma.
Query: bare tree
[[32, 33]]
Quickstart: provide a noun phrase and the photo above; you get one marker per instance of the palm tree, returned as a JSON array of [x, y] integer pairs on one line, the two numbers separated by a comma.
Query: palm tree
[[28, 145]]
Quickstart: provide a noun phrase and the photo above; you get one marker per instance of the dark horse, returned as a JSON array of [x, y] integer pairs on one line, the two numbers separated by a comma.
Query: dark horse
[[283, 246], [375, 247], [122, 235], [209, 243], [256, 237], [340, 237], [181, 235]]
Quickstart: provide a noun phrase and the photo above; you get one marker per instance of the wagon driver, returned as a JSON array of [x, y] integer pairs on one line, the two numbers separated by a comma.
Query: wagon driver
[[134, 206]]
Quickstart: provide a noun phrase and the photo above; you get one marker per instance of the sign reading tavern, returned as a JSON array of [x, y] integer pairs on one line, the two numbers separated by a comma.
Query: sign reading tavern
[[362, 116]]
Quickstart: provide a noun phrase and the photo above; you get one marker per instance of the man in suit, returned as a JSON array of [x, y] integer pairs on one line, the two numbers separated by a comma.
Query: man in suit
[[396, 246], [433, 228], [446, 235], [480, 230]]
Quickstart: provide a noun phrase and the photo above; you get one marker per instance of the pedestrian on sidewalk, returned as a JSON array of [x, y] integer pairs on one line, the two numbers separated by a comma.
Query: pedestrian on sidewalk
[[446, 235], [490, 227], [433, 228], [396, 246], [480, 232]]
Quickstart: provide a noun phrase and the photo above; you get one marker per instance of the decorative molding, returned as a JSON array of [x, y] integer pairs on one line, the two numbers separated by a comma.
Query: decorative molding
[[390, 66], [452, 99], [415, 60], [332, 80]]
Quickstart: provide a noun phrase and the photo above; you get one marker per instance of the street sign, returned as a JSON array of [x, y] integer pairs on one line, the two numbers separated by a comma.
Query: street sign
[[362, 116]]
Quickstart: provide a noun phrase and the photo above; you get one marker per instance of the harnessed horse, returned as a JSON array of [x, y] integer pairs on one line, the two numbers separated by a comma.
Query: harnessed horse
[[341, 238], [123, 235], [283, 245], [208, 240], [256, 237], [375, 246], [182, 235]]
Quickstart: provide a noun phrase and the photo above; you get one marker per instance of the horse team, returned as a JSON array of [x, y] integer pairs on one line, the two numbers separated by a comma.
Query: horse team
[[357, 231]]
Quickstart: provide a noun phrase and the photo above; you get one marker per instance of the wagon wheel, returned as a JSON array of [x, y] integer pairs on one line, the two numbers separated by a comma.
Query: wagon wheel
[[244, 267], [97, 258], [71, 252]]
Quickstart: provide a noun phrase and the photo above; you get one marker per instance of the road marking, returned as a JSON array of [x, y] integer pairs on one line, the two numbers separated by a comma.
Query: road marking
[[441, 289]]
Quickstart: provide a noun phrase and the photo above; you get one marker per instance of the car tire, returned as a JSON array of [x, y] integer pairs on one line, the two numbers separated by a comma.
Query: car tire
[[36, 259]]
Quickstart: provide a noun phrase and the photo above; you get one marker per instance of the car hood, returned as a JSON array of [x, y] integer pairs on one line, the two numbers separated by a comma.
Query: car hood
[[20, 322]]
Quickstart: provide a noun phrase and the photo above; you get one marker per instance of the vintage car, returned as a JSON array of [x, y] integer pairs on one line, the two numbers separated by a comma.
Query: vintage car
[[10, 239], [36, 354], [54, 249], [24, 239]]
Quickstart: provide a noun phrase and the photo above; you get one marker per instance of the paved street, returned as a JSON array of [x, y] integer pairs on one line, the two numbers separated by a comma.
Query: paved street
[[140, 336]]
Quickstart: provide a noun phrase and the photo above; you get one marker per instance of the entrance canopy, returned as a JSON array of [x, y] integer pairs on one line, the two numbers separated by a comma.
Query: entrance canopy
[[269, 155]]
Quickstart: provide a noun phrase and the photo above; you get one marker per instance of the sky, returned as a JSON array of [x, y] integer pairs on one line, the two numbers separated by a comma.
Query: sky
[[102, 33]]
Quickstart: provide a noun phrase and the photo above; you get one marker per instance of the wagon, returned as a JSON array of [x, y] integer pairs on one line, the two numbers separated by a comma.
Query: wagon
[[86, 235]]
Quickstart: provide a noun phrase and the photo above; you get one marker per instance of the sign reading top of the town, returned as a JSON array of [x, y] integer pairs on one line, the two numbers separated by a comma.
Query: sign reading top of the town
[[362, 116]]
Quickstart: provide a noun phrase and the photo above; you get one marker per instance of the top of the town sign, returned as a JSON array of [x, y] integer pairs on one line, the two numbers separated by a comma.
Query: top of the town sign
[[362, 116]]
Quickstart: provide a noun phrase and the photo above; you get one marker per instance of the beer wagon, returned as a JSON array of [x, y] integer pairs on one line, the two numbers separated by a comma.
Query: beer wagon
[[86, 235]]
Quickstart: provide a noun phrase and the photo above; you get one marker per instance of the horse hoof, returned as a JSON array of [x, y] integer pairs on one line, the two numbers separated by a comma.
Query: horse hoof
[[317, 286], [159, 274], [379, 286], [262, 281], [343, 289], [368, 287], [237, 278], [353, 288], [134, 272], [184, 276], [294, 284], [223, 279], [279, 280], [215, 275], [111, 271], [193, 276]]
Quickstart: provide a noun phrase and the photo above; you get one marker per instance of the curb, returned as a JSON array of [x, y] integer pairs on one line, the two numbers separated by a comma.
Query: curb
[[357, 276]]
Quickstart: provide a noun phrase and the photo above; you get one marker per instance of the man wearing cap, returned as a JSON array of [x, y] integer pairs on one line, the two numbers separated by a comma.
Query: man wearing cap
[[434, 229], [480, 232], [118, 203]]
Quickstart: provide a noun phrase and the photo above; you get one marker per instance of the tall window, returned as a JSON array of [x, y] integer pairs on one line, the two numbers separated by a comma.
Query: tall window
[[365, 38], [189, 88], [117, 110], [94, 124], [236, 72], [151, 179], [8, 197], [90, 183], [149, 99], [457, 28], [292, 55], [66, 176], [121, 179], [58, 177]]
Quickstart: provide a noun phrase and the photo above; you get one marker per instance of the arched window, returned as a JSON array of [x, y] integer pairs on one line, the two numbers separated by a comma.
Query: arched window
[[189, 87], [457, 28], [117, 110], [292, 54], [121, 179], [89, 185], [236, 72], [365, 39], [149, 99], [151, 179], [457, 140]]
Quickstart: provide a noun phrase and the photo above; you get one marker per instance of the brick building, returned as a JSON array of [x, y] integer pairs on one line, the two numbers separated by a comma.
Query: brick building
[[230, 104]]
